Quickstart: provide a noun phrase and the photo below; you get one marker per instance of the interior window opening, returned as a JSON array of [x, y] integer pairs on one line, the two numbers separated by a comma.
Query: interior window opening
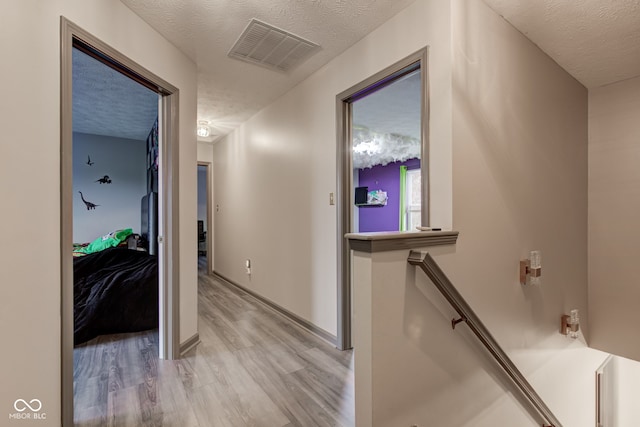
[[387, 145], [383, 163]]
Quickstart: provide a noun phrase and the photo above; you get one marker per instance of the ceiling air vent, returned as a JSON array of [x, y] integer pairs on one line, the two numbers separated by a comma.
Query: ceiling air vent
[[271, 47]]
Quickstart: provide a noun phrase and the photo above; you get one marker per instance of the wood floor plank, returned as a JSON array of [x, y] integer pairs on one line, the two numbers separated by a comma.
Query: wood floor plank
[[307, 382], [150, 409], [90, 417], [115, 380], [123, 408], [236, 388], [253, 368], [225, 330], [89, 360], [209, 410], [282, 360], [296, 405], [230, 303], [279, 331], [91, 401], [176, 405], [334, 382]]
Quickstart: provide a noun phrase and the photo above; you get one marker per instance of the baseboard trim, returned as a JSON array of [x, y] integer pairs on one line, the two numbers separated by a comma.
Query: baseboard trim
[[189, 344], [283, 311]]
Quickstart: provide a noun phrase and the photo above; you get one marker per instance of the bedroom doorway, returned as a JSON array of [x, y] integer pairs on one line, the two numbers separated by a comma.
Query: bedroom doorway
[[205, 228], [115, 201], [164, 241]]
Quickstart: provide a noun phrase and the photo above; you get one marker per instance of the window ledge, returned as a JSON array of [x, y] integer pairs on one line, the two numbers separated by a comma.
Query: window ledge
[[399, 240]]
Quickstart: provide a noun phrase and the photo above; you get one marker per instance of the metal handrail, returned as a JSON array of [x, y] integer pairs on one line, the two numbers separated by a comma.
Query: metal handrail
[[444, 285]]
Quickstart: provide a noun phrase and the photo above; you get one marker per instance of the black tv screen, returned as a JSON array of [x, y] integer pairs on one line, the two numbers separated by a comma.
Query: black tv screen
[[361, 195]]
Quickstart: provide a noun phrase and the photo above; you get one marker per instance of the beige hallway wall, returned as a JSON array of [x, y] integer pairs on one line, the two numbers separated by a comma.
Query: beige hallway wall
[[519, 178], [274, 174], [614, 211], [520, 184], [30, 173]]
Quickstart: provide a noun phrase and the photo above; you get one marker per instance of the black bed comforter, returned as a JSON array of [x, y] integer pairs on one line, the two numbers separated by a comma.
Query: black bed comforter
[[115, 290]]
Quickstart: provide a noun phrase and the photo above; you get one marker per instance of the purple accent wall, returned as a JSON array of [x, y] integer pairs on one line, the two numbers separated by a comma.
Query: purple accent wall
[[385, 178]]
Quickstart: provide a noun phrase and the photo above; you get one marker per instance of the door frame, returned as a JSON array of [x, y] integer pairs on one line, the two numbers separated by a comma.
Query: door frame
[[344, 179], [72, 35], [208, 165]]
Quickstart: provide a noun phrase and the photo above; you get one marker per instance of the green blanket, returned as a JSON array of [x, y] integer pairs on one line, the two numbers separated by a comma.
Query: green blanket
[[109, 240]]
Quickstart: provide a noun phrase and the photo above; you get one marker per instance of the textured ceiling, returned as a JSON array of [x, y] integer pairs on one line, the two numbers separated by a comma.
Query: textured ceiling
[[394, 109], [388, 123], [596, 41], [231, 91], [108, 103]]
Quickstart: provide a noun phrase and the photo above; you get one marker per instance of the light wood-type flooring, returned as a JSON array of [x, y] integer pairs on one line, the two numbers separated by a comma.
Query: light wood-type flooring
[[253, 368]]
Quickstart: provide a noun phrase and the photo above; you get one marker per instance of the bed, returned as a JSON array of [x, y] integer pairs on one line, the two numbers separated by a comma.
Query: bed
[[115, 279], [115, 291]]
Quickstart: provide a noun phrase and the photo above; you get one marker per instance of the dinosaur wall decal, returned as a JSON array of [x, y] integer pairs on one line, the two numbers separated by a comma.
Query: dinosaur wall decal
[[104, 180], [89, 162], [88, 204]]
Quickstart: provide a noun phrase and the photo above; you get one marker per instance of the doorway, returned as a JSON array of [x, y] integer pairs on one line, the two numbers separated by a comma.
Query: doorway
[[205, 227], [363, 146], [74, 37]]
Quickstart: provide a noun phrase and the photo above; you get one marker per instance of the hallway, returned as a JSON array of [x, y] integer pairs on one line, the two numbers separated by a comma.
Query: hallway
[[253, 367]]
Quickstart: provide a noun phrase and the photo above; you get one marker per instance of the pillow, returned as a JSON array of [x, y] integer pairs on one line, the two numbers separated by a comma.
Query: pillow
[[109, 240]]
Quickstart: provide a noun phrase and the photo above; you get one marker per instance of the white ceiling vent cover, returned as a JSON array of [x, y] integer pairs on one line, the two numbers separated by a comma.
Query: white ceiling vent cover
[[271, 47]]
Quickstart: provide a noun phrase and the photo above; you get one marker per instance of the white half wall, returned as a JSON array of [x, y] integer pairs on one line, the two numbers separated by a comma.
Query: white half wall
[[614, 210], [627, 390], [30, 172], [411, 368]]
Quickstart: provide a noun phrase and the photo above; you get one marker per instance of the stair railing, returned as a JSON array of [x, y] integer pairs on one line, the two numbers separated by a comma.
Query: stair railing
[[444, 285]]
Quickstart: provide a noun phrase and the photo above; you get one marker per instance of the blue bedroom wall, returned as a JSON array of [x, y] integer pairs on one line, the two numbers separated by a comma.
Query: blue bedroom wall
[[124, 162], [202, 195]]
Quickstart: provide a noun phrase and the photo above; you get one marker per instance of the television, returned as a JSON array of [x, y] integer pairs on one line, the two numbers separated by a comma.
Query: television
[[361, 195]]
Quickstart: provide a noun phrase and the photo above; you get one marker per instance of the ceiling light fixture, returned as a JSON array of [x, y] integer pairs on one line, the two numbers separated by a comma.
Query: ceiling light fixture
[[203, 129]]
